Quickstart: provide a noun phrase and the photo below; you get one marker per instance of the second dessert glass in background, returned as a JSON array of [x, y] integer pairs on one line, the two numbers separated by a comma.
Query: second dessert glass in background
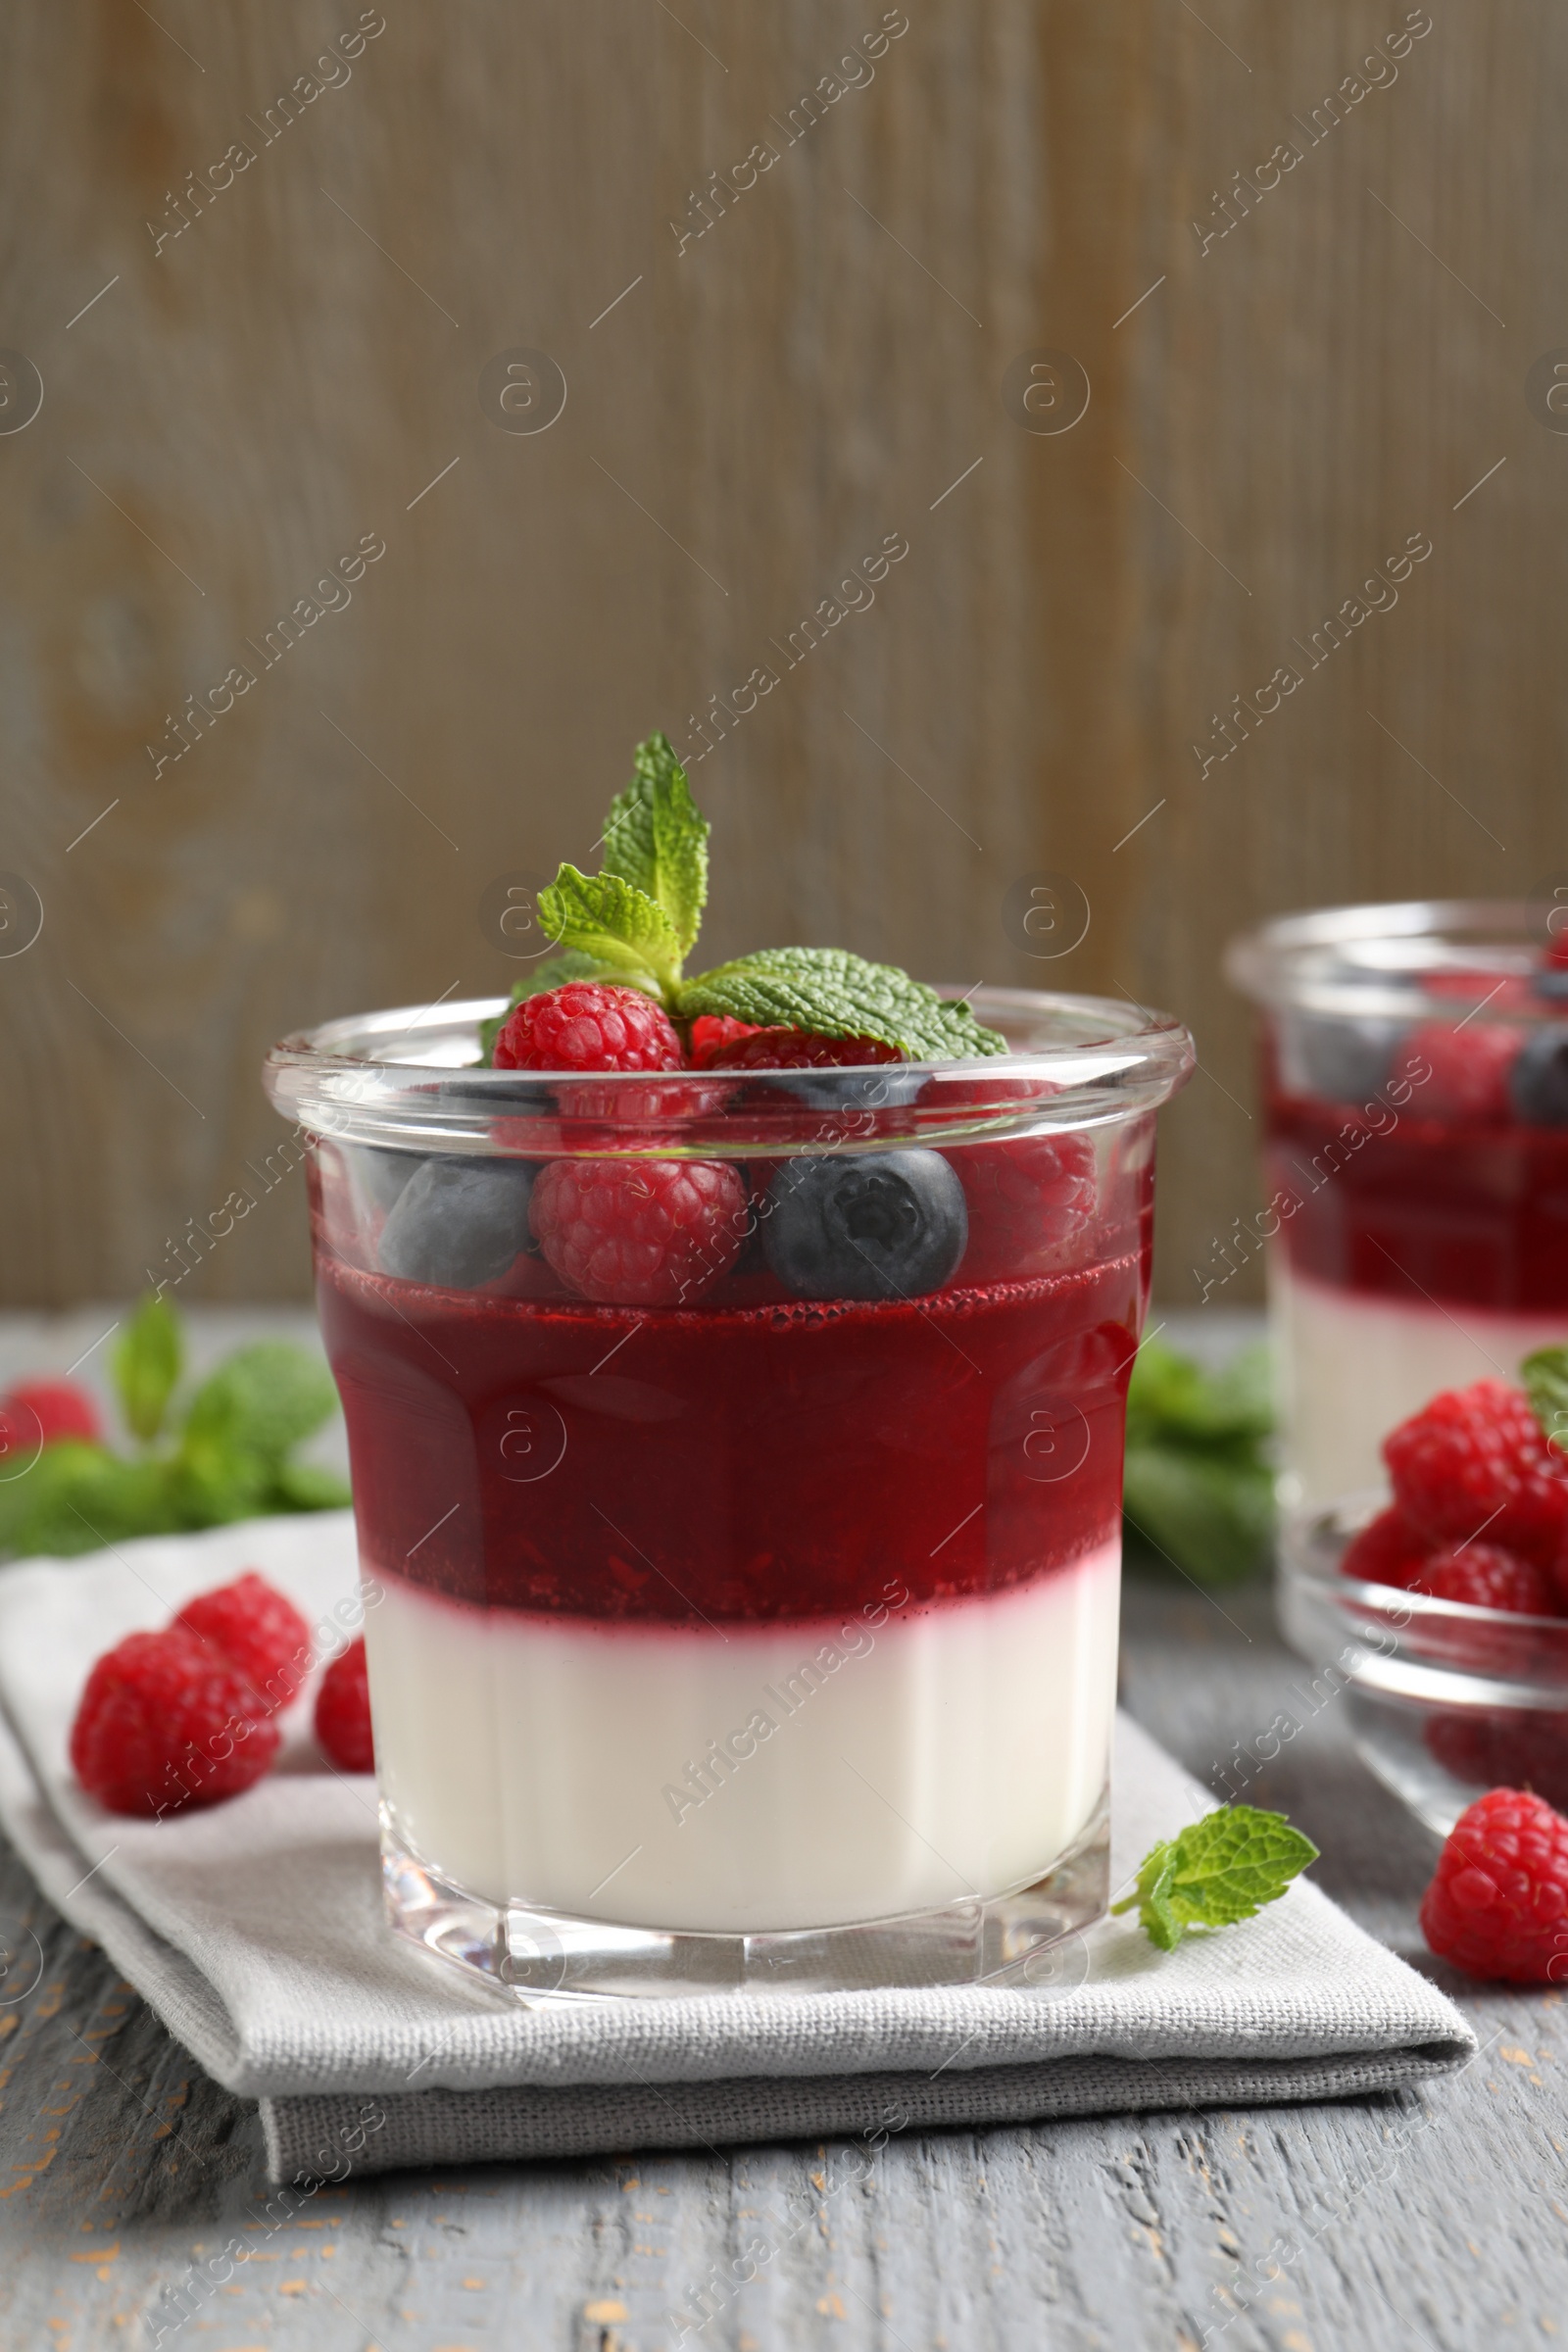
[[1415, 1080]]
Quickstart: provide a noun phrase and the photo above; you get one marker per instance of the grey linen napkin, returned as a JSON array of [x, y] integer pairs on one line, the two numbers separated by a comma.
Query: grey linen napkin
[[255, 1931]]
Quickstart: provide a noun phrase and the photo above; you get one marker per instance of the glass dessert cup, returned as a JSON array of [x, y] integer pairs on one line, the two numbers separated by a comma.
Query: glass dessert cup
[[758, 1630], [1415, 1084], [1445, 1700]]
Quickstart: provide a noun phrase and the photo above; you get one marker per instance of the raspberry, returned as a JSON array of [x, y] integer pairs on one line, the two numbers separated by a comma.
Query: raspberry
[[1469, 1068], [588, 1025], [1391, 1549], [1487, 1577], [343, 1711], [1498, 1905], [1516, 1746], [1029, 1202], [165, 1721], [639, 1231], [58, 1408], [712, 1032], [1474, 1462], [262, 1635], [800, 1049]]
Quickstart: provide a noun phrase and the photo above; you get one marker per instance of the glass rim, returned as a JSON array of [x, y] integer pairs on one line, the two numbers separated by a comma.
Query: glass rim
[[406, 1078], [1373, 958]]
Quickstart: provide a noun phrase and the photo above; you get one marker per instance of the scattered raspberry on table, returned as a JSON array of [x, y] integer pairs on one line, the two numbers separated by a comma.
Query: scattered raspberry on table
[[343, 1711], [1475, 1462], [42, 1411], [261, 1632], [1498, 1905], [588, 1025], [166, 1721]]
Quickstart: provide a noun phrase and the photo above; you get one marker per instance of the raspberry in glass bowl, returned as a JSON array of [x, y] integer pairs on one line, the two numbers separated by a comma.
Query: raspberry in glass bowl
[[1436, 1610], [1415, 1187], [737, 1466]]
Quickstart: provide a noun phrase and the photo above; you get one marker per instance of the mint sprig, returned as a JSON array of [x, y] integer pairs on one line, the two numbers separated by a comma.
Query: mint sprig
[[636, 920], [655, 838], [623, 929], [1216, 1871]]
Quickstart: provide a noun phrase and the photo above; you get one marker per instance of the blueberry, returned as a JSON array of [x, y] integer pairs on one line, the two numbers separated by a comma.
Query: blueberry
[[457, 1222], [380, 1175], [1345, 1060], [888, 1225], [1539, 1079], [878, 1085]]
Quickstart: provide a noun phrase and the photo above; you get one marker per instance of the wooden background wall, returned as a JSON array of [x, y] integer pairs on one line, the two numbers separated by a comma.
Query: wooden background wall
[[245, 399]]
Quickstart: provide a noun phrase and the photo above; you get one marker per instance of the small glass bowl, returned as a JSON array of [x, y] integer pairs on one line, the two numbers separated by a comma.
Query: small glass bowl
[[1445, 1700]]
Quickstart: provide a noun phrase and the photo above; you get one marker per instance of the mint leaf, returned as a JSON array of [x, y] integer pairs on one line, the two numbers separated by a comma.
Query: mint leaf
[[80, 1495], [146, 1365], [554, 972], [655, 838], [617, 925], [835, 994], [1211, 1515], [260, 1402], [1545, 1378], [1170, 1395], [307, 1487], [1218, 1869]]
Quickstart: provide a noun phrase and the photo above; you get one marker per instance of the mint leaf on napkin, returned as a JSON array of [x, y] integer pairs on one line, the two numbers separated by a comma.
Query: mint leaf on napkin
[[835, 994], [1198, 1485], [1218, 1869], [1545, 1381], [146, 1366], [655, 836]]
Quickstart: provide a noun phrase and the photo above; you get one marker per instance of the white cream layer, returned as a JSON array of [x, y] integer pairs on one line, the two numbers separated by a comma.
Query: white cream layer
[[758, 1778], [1351, 1366]]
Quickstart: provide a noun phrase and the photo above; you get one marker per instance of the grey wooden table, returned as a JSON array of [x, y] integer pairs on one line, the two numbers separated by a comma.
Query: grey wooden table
[[1438, 2220]]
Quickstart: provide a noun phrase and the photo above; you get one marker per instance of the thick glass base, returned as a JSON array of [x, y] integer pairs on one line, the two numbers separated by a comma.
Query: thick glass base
[[534, 1955]]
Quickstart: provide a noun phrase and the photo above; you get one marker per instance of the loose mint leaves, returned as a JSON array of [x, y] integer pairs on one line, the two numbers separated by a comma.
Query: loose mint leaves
[[655, 838], [230, 1455], [838, 994], [1221, 1869], [1198, 1485], [146, 1365], [1545, 1378], [635, 921]]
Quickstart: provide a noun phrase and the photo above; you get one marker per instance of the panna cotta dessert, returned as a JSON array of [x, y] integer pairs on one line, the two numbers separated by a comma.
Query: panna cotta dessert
[[1415, 1084], [734, 1371]]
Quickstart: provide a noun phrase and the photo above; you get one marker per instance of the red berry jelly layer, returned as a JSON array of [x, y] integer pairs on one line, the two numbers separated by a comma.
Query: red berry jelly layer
[[1473, 1216], [741, 1464]]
